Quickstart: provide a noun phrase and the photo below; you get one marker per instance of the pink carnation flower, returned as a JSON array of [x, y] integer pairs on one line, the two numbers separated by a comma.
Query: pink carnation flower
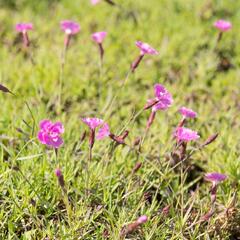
[[145, 48], [58, 172], [70, 27], [98, 37], [185, 134], [94, 123], [103, 132], [50, 133], [187, 112], [163, 99], [223, 25], [215, 178], [23, 27]]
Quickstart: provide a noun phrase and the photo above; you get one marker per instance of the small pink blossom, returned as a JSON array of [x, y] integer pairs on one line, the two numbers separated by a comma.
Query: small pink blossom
[[93, 123], [215, 178], [223, 25], [185, 134], [187, 112], [163, 99], [58, 172], [70, 27], [98, 37], [146, 48], [94, 2], [142, 219], [103, 132], [23, 27], [50, 133]]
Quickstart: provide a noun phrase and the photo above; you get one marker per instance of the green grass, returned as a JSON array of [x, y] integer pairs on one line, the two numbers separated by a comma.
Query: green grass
[[189, 66]]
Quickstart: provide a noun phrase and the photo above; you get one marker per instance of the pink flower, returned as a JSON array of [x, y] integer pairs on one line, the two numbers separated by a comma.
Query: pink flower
[[50, 133], [103, 132], [93, 123], [187, 112], [23, 27], [185, 134], [142, 219], [98, 37], [58, 172], [163, 98], [146, 48], [94, 2], [70, 27], [215, 178], [223, 25]]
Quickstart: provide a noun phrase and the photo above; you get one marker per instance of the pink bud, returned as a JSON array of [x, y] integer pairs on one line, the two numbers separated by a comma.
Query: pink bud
[[142, 219], [58, 172], [98, 37]]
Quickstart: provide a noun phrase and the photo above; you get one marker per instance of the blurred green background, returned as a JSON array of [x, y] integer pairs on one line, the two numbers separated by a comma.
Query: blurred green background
[[200, 75]]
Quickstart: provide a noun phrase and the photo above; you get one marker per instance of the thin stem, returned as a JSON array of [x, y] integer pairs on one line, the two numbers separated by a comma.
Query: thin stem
[[220, 34], [182, 194], [101, 53], [90, 154], [34, 122], [33, 189], [143, 139], [219, 37], [116, 95], [63, 59]]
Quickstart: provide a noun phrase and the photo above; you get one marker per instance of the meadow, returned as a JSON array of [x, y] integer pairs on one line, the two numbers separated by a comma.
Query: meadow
[[139, 180]]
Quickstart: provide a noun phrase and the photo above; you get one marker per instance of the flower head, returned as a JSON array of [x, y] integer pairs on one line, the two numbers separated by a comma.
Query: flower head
[[185, 134], [94, 2], [58, 172], [70, 27], [23, 27], [214, 177], [142, 219], [50, 133], [163, 98], [98, 37], [103, 132], [146, 48], [223, 25], [93, 123], [187, 112]]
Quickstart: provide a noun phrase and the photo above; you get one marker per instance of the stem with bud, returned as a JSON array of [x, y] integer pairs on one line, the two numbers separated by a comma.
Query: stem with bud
[[135, 64]]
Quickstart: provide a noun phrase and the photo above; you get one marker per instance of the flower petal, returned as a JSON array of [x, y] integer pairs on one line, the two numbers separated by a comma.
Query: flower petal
[[103, 132]]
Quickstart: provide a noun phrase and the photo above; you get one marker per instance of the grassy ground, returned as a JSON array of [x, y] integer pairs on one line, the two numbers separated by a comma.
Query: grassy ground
[[198, 74]]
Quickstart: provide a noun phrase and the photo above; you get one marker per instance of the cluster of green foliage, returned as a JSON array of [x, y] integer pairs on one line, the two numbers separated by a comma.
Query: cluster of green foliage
[[199, 73]]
